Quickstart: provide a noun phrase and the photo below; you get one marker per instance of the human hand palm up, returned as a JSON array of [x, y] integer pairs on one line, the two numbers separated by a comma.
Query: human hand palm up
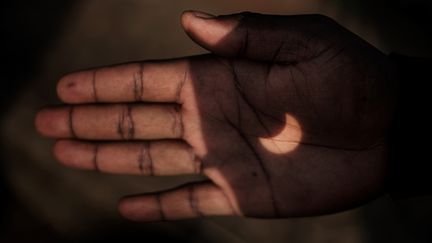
[[286, 117]]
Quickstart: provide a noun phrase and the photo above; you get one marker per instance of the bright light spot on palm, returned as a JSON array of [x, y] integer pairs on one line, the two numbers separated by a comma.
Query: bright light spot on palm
[[286, 140]]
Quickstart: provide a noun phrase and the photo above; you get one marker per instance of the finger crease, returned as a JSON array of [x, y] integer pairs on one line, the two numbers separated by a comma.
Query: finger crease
[[138, 84], [126, 125], [136, 88], [193, 201], [161, 211], [130, 123], [95, 97], [71, 127], [150, 159], [120, 123], [95, 157], [145, 162], [197, 164], [141, 160], [180, 86], [177, 127]]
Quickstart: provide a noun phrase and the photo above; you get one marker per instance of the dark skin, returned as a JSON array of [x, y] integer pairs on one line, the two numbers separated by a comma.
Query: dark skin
[[287, 116]]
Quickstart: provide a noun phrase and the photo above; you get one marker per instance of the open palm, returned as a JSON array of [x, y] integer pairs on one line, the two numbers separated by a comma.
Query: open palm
[[287, 117]]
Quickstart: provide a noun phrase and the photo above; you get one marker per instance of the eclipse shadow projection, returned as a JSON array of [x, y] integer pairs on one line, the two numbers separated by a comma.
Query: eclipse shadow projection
[[287, 116]]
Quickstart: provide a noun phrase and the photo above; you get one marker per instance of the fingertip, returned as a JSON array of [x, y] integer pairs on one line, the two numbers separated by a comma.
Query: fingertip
[[190, 22], [122, 207], [185, 19], [75, 88], [139, 208], [208, 30], [60, 151], [40, 121], [52, 122], [64, 88], [74, 154], [188, 16]]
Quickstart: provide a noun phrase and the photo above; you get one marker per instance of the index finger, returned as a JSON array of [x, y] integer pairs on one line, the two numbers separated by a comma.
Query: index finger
[[150, 81]]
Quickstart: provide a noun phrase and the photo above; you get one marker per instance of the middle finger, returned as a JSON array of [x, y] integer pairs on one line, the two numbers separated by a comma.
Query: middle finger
[[112, 122]]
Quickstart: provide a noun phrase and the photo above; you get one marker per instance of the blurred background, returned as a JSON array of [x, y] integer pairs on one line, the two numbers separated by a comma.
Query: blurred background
[[43, 201]]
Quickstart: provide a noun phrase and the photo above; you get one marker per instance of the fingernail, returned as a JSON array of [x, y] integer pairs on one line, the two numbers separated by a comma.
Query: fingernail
[[203, 15]]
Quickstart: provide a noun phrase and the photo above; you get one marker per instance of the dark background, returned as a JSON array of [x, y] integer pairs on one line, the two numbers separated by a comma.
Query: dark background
[[42, 201]]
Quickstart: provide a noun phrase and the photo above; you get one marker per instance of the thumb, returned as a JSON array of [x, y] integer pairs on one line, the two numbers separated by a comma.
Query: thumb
[[217, 34], [256, 36]]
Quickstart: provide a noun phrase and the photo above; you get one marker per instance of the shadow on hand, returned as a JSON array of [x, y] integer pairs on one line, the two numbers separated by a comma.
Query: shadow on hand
[[293, 123]]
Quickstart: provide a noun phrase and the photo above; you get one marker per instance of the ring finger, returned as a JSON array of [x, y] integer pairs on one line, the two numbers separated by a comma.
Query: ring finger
[[150, 158]]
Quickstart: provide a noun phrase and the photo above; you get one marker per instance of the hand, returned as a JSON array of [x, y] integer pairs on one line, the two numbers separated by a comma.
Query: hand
[[287, 116]]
